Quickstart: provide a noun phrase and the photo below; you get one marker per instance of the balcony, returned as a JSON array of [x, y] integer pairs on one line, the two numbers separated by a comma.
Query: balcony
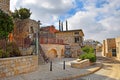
[[51, 41]]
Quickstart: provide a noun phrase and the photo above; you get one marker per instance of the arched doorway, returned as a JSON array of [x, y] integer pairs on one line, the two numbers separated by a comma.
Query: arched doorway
[[62, 53], [52, 54]]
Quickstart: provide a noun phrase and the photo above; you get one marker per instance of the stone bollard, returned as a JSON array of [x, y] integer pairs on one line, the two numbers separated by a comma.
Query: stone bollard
[[51, 66], [63, 65]]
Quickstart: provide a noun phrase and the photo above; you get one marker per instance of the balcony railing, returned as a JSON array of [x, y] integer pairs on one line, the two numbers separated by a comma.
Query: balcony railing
[[50, 41]]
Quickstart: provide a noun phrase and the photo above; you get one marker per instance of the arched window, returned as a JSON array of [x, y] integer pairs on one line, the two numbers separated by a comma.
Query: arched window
[[31, 29]]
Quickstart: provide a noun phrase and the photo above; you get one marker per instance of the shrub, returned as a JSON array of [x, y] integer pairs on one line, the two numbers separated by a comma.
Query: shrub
[[22, 13], [90, 56], [6, 25], [4, 54], [13, 50], [88, 49], [1, 51]]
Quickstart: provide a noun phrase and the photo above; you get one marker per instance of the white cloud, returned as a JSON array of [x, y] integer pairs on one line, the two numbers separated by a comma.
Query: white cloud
[[48, 11], [13, 4], [107, 27]]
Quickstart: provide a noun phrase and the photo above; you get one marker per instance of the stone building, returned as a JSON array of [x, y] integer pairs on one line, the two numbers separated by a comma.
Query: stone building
[[24, 30], [47, 32], [109, 47], [94, 44], [90, 42], [47, 35], [118, 47], [50, 45], [51, 29], [73, 40], [5, 5], [24, 35]]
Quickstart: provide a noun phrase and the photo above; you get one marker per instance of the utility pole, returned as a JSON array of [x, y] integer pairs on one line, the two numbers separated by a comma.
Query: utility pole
[[59, 25], [66, 25], [37, 38]]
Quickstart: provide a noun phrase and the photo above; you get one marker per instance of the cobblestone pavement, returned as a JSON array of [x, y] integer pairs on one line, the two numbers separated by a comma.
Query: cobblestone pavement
[[110, 70], [44, 73]]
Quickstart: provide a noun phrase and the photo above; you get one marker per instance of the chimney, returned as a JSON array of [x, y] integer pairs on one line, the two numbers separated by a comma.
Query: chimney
[[59, 26], [66, 26], [62, 26]]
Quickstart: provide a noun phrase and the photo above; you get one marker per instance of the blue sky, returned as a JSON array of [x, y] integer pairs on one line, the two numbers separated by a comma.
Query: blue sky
[[99, 19]]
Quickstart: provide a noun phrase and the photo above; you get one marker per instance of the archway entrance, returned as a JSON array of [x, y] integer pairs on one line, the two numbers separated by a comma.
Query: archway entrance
[[114, 52], [52, 54], [62, 53]]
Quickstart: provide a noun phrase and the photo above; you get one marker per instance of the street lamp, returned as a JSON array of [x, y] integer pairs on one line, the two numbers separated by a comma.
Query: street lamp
[[95, 51], [94, 47], [37, 38]]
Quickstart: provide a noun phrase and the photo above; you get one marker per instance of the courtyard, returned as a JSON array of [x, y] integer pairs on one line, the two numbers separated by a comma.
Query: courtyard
[[58, 73]]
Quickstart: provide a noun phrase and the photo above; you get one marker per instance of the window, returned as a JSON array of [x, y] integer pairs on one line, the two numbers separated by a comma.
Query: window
[[76, 33], [76, 39], [31, 28]]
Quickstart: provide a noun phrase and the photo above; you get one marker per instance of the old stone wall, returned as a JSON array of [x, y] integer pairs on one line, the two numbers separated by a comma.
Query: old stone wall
[[118, 47], [68, 37], [5, 5], [18, 65], [75, 50], [53, 50], [108, 46], [24, 29]]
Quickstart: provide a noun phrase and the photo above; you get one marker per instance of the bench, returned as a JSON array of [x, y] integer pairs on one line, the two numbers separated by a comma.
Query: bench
[[80, 64]]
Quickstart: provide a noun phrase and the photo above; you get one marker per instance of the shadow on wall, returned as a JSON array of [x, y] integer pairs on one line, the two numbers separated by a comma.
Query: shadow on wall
[[52, 54], [62, 53]]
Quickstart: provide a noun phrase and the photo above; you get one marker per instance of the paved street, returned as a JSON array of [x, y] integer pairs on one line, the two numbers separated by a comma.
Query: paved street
[[44, 73], [110, 70]]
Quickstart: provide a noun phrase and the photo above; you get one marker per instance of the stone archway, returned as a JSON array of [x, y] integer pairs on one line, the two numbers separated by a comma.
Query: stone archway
[[62, 53], [52, 54]]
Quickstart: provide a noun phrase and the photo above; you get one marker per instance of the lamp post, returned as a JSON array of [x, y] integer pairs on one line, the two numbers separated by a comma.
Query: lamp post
[[37, 38], [95, 51]]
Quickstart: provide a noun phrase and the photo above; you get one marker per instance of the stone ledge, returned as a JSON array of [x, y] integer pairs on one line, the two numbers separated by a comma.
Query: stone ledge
[[81, 64], [83, 74], [18, 65]]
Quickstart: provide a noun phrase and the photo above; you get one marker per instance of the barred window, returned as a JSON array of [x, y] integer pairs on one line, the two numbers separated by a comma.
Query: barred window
[[76, 39], [76, 32]]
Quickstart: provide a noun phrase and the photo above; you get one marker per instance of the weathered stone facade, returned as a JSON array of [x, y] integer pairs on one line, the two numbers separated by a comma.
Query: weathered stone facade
[[118, 47], [24, 29], [72, 38], [18, 65], [53, 50], [5, 5], [80, 64], [51, 47], [25, 26], [109, 47]]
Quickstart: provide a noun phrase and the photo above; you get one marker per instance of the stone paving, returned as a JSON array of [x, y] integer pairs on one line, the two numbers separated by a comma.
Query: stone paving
[[57, 73], [110, 70]]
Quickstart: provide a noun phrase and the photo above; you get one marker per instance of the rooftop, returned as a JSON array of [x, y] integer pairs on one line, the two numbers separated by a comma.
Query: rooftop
[[71, 31]]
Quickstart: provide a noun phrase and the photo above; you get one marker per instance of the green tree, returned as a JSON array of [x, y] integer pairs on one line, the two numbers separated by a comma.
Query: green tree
[[15, 14], [6, 25], [88, 54], [22, 13], [88, 49]]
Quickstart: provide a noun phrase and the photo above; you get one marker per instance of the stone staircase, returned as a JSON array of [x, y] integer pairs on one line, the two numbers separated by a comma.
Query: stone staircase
[[42, 57]]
